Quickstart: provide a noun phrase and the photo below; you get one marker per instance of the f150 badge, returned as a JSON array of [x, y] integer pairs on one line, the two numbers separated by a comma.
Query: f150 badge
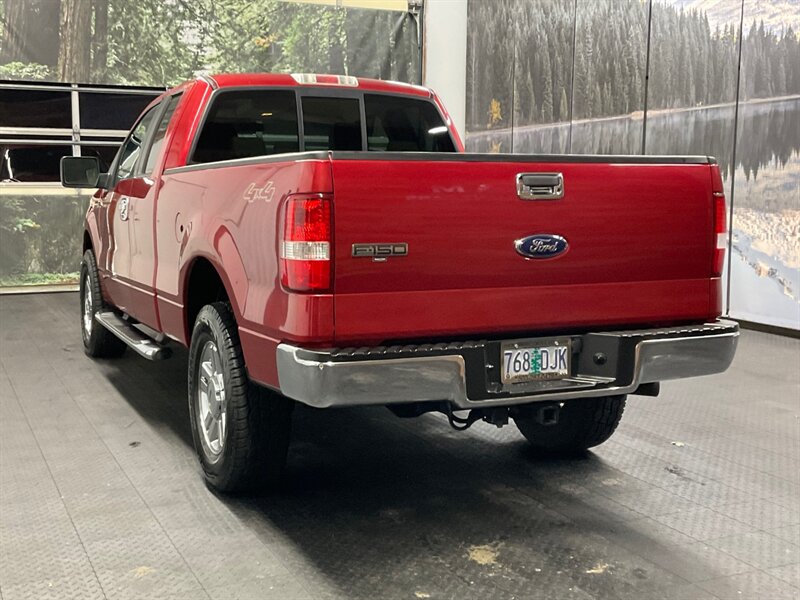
[[543, 245], [379, 252]]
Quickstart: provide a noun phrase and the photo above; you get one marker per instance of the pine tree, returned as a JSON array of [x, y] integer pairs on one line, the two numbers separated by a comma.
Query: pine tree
[[547, 90], [597, 102]]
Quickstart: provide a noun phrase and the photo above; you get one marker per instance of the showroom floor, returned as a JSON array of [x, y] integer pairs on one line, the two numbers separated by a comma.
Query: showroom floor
[[697, 496]]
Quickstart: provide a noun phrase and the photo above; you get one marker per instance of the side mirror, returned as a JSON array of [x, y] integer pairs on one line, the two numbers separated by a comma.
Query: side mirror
[[81, 172]]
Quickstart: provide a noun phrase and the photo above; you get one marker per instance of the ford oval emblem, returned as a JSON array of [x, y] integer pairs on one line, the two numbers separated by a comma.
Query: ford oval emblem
[[541, 246]]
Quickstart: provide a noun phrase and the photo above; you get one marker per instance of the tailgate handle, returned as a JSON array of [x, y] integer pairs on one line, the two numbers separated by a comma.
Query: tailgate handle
[[540, 186]]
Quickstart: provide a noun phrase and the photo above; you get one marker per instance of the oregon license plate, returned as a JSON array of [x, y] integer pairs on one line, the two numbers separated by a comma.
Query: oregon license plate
[[528, 362]]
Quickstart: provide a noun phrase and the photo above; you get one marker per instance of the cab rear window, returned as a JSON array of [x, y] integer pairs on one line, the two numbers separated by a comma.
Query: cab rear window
[[242, 124], [397, 124], [250, 123]]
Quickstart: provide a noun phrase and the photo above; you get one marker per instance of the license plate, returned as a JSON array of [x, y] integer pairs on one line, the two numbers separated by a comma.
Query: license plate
[[527, 362]]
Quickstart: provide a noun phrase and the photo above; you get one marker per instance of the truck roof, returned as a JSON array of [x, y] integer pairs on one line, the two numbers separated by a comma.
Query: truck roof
[[224, 80]]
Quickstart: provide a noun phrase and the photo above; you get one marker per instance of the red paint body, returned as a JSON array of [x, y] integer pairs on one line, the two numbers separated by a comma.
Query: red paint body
[[641, 240]]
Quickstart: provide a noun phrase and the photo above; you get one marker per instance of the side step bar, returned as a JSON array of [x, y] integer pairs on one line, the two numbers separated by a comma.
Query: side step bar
[[138, 341]]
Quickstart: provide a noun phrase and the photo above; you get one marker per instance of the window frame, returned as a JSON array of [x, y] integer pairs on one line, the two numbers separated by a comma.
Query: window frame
[[76, 136]]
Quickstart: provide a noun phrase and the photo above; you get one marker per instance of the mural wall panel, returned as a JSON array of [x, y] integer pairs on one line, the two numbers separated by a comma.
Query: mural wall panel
[[610, 53], [765, 257], [690, 103], [543, 39], [490, 75]]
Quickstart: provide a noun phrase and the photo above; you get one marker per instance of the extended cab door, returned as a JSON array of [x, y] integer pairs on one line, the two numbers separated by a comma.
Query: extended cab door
[[131, 208]]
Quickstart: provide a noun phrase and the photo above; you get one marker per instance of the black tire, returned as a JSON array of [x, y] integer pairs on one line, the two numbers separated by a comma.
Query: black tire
[[98, 342], [257, 422], [581, 425]]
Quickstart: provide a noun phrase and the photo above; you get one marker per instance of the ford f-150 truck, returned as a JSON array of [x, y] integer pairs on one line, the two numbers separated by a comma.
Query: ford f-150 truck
[[325, 240]]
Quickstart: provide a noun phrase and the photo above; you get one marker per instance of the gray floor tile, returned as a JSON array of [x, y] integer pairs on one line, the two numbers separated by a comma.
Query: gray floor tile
[[790, 533], [755, 585], [788, 573], [761, 514], [759, 549], [703, 523], [74, 586]]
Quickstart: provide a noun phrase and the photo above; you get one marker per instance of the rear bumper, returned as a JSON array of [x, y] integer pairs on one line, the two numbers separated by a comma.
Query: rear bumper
[[467, 374]]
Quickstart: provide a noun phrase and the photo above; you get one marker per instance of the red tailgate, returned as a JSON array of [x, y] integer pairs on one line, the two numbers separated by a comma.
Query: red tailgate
[[639, 236]]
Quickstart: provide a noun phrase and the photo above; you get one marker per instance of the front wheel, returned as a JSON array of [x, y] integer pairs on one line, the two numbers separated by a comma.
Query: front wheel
[[580, 424], [98, 342], [241, 431]]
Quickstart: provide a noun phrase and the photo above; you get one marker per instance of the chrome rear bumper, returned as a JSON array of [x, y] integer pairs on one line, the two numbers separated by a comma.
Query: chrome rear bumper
[[467, 373]]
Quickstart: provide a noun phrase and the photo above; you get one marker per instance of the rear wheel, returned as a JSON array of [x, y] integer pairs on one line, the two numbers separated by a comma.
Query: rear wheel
[[581, 424], [241, 431], [98, 342]]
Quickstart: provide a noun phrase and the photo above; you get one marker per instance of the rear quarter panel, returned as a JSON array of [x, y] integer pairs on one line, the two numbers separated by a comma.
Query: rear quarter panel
[[229, 215]]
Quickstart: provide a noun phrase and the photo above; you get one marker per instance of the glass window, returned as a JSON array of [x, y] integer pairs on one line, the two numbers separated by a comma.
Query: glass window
[[249, 123], [35, 108], [158, 137], [31, 163], [396, 124], [132, 148], [111, 111], [105, 154], [331, 123]]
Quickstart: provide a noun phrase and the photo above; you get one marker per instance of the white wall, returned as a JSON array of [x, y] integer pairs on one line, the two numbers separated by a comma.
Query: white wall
[[445, 55]]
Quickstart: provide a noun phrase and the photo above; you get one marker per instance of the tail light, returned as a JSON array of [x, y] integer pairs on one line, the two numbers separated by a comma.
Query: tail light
[[720, 223], [306, 244]]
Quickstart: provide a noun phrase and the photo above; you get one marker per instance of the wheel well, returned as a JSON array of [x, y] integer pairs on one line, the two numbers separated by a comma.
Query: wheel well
[[203, 287], [87, 242]]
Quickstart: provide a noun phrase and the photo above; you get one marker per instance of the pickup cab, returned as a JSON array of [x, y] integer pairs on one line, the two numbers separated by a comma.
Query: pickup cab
[[326, 240]]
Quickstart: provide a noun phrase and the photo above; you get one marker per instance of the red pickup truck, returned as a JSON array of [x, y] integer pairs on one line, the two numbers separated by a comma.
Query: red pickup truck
[[325, 240]]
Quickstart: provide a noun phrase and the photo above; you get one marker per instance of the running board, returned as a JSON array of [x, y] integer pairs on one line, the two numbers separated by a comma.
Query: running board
[[138, 341]]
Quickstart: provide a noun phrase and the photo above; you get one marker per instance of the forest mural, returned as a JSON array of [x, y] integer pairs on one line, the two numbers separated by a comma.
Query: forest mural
[[569, 76], [163, 42]]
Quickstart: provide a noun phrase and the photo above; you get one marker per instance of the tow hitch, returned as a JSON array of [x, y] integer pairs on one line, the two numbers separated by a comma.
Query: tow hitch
[[544, 413], [547, 414], [496, 416]]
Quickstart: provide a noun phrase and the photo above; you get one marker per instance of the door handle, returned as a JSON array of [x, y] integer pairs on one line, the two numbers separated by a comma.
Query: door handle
[[540, 186], [124, 209]]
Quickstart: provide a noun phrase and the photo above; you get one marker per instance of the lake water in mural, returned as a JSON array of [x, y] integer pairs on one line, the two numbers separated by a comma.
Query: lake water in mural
[[765, 258]]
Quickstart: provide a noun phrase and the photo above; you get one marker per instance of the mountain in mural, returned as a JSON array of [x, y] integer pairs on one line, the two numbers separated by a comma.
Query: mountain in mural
[[776, 14]]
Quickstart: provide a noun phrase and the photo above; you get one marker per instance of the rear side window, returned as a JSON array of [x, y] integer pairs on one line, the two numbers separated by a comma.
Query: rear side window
[[396, 124], [331, 123], [250, 123]]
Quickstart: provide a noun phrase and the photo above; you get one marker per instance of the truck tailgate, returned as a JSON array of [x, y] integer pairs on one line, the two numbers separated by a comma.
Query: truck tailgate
[[639, 235]]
